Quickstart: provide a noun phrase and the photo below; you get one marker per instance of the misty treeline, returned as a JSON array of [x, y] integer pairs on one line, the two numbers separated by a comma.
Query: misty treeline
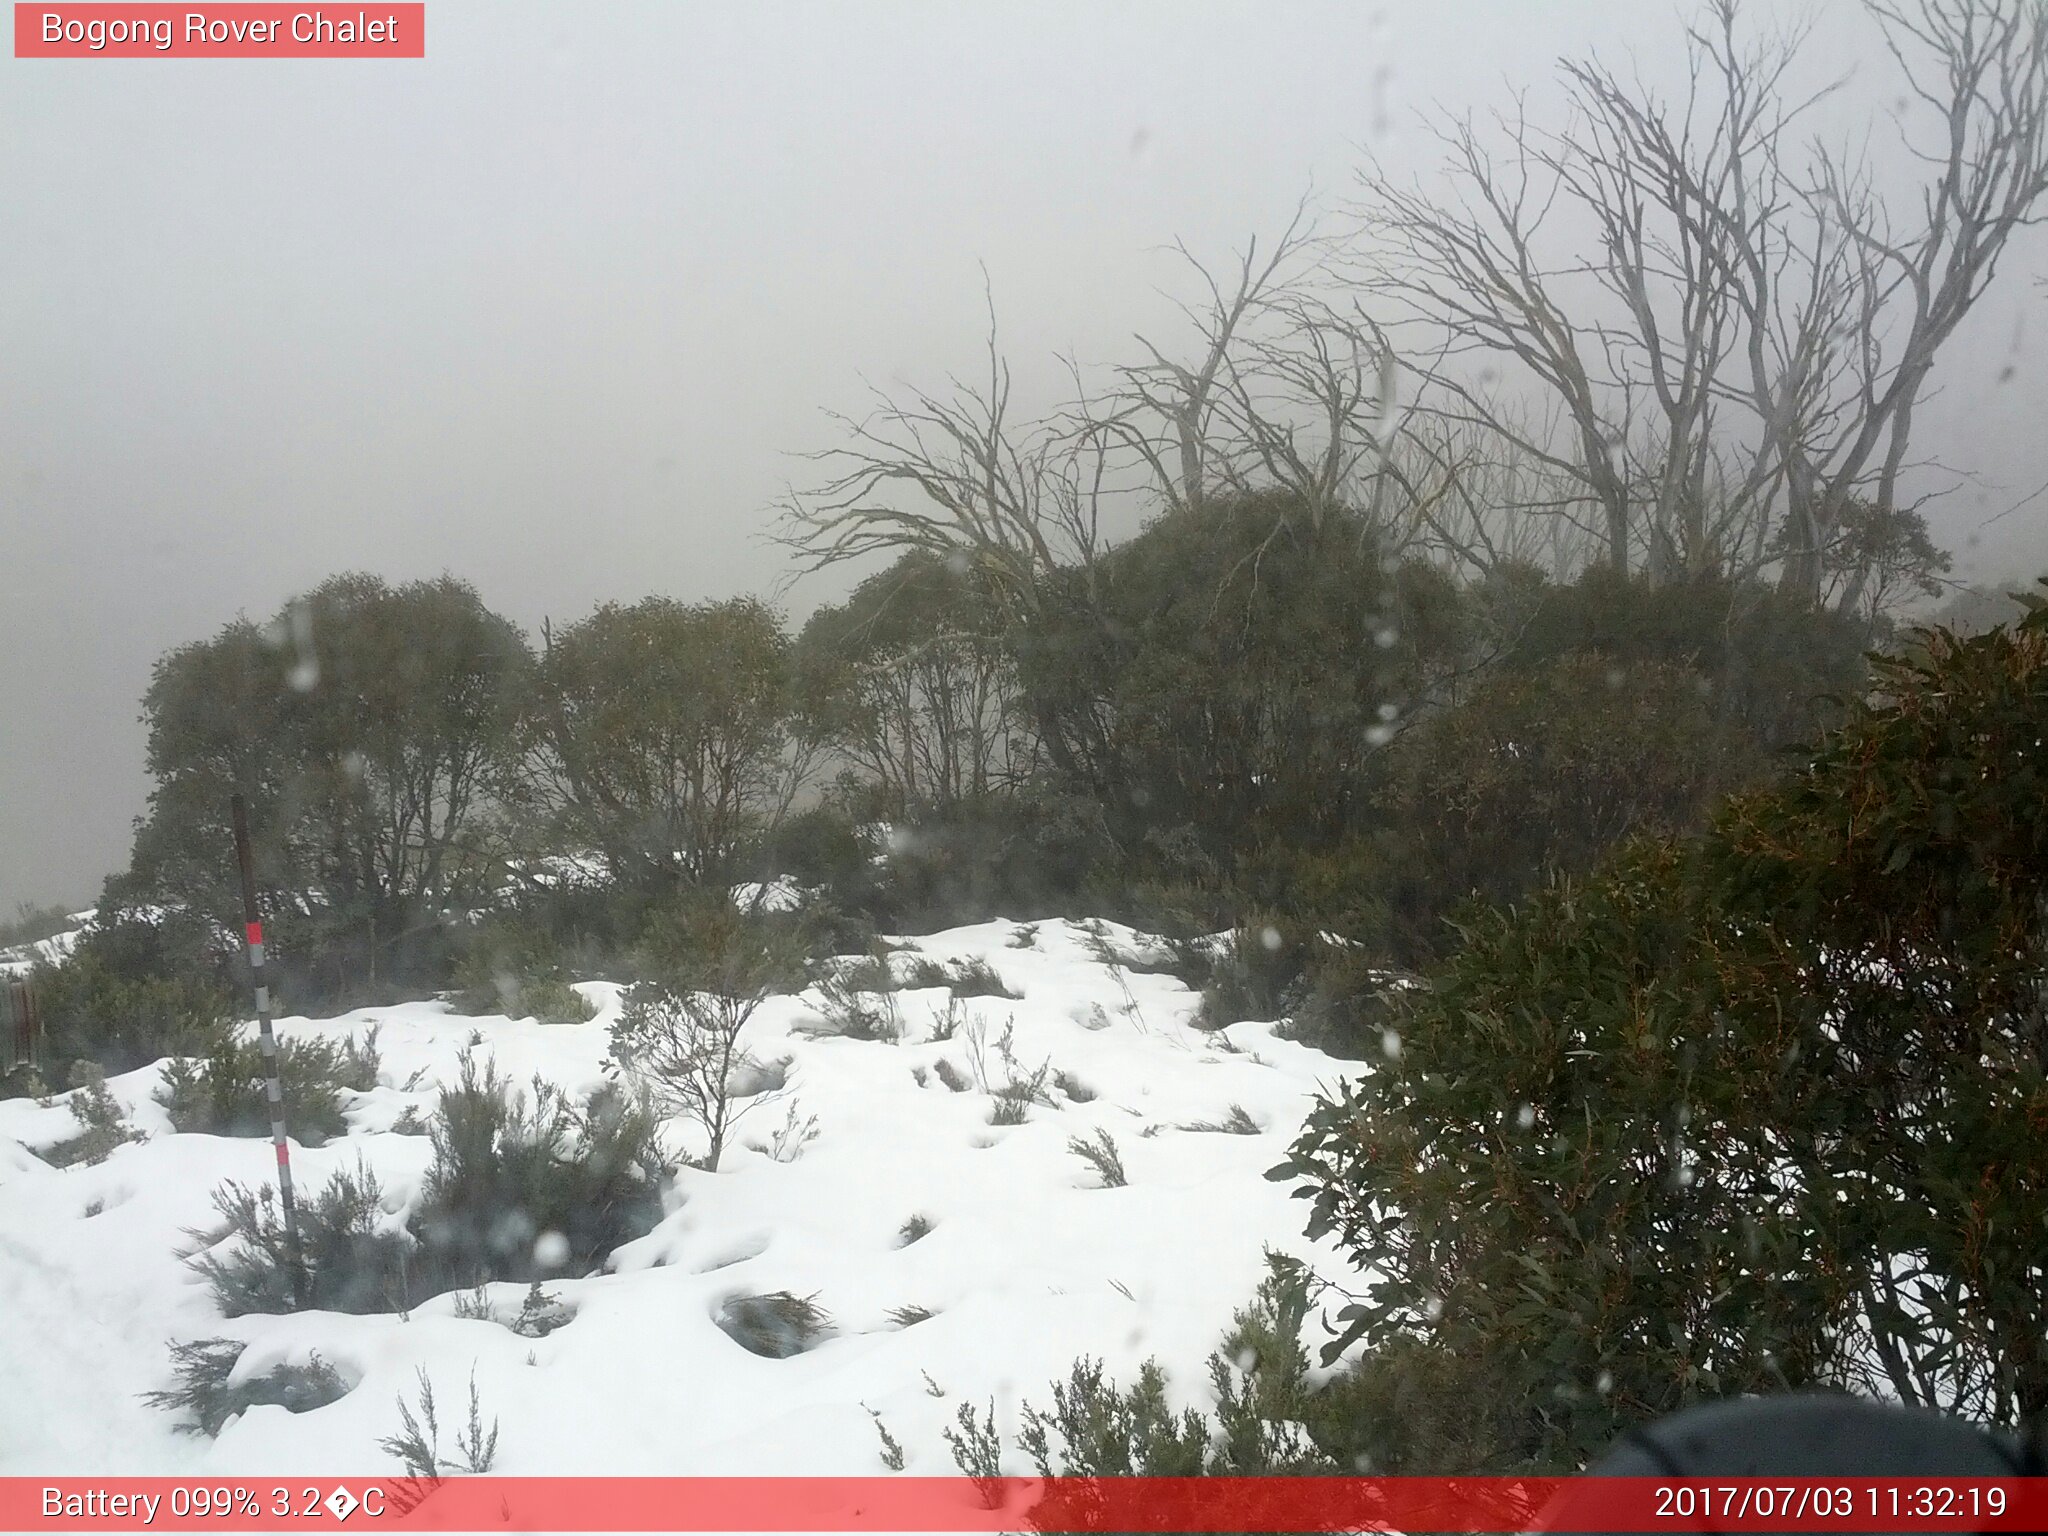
[[1449, 541], [1514, 536]]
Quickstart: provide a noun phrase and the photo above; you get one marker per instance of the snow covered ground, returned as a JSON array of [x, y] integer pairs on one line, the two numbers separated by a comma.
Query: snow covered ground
[[1028, 1264]]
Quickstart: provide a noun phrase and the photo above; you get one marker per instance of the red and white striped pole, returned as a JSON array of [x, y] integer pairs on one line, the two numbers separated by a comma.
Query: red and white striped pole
[[252, 933]]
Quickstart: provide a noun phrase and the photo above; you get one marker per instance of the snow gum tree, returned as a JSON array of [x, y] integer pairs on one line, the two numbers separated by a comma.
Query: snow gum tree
[[1758, 1110]]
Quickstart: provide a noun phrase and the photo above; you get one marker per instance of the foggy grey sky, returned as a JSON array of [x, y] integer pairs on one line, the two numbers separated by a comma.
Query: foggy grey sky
[[552, 308]]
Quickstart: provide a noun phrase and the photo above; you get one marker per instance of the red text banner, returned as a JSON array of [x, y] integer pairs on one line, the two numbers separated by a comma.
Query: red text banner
[[920, 1504], [240, 31]]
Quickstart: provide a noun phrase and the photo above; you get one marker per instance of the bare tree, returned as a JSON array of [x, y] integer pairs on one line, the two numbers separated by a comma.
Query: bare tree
[[679, 1038], [1730, 345], [957, 477]]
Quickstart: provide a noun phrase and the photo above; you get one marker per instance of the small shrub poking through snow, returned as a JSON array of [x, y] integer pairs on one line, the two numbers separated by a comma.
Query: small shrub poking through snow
[[540, 1314], [910, 1316], [776, 1325], [515, 968], [1100, 1153], [857, 1007], [789, 1140], [508, 1171], [679, 1038], [202, 1368], [975, 977], [1236, 1123], [1096, 1429], [353, 1261], [417, 1445], [509, 1167], [913, 1229], [223, 1093], [892, 1448], [101, 1127]]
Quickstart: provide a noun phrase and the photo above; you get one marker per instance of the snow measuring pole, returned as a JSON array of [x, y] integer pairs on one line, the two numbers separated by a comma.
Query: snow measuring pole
[[252, 934]]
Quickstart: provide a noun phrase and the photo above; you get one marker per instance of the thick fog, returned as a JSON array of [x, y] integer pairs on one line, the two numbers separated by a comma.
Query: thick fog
[[555, 308]]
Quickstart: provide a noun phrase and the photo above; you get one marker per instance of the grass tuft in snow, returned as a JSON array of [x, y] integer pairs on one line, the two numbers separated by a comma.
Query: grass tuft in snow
[[916, 1227], [1100, 1153], [1072, 1089], [417, 1445], [776, 1325], [1237, 1123]]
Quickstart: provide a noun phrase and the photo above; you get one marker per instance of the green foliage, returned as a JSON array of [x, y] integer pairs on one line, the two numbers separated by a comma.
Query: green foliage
[[822, 845], [1096, 1429], [679, 1036], [510, 1168], [1257, 971], [364, 725], [1752, 1112], [417, 1445], [203, 1368], [1235, 673], [1540, 771], [1779, 666], [660, 736], [1024, 855], [352, 1259], [512, 965], [507, 1172], [131, 992], [101, 1126], [776, 1325], [224, 1092]]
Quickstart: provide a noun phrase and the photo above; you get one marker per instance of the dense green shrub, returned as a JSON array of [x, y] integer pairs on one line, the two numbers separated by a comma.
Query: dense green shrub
[[508, 1171], [1755, 1111], [1024, 855], [1256, 970], [225, 1093], [1540, 771], [1781, 668], [352, 1257], [1230, 675], [510, 1167], [134, 990], [513, 966]]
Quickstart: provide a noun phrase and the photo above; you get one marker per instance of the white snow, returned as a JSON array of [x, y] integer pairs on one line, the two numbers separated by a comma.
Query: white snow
[[23, 957], [1028, 1265]]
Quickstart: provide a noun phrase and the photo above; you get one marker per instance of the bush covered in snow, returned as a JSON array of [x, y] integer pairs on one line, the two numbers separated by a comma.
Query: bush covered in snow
[[521, 1187], [203, 1369], [511, 1169], [224, 1092]]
